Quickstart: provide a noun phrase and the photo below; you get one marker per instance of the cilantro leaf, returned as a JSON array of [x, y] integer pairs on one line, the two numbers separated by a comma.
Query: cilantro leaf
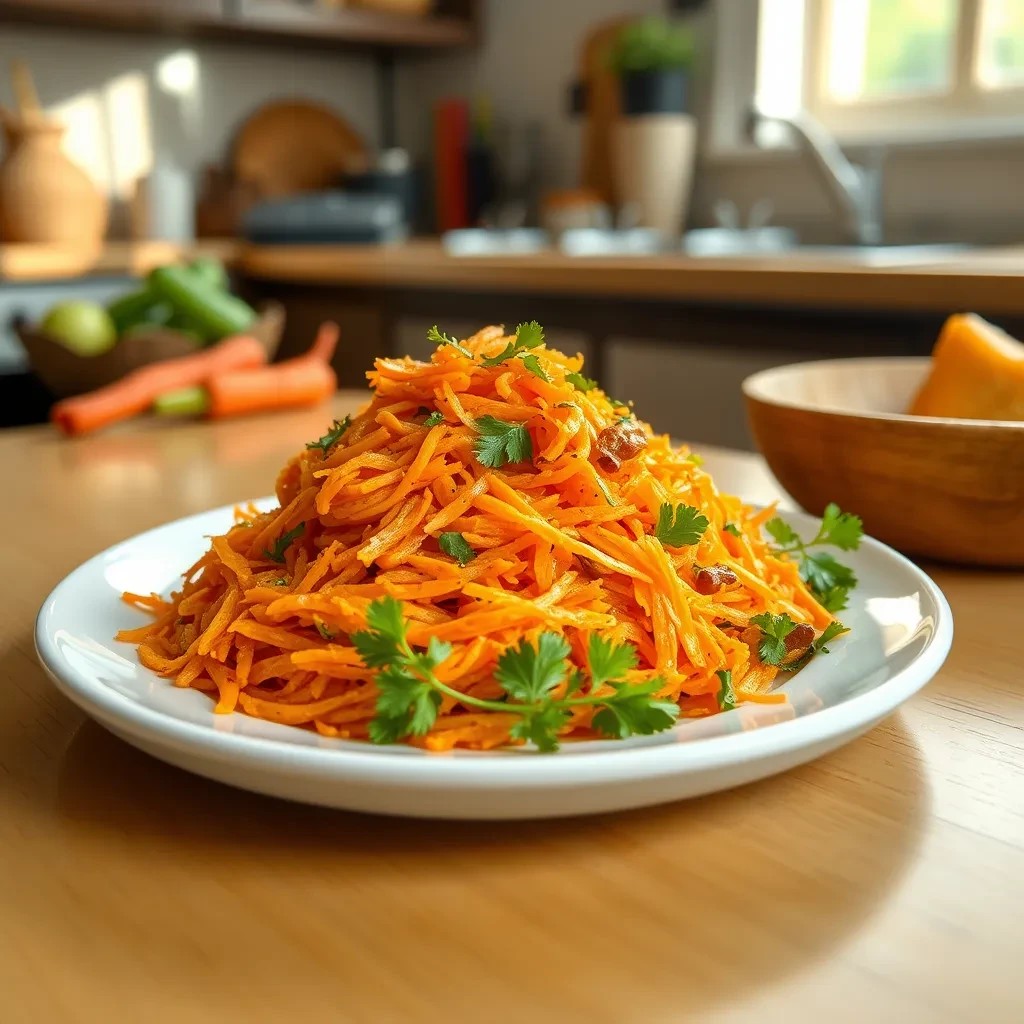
[[631, 711], [680, 525], [528, 672], [439, 338], [581, 383], [332, 437], [541, 727], [781, 532], [532, 363], [831, 631], [830, 581], [386, 728], [607, 660], [774, 630], [500, 442], [726, 695], [438, 651], [455, 545], [325, 632], [696, 458], [844, 530], [383, 641], [385, 616], [434, 419], [733, 529], [527, 336], [397, 690], [276, 553]]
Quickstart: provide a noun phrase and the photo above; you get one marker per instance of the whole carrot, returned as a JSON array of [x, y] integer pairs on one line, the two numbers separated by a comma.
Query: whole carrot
[[135, 392], [305, 380]]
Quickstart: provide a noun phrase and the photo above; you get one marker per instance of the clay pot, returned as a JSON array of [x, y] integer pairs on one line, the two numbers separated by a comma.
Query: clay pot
[[44, 196]]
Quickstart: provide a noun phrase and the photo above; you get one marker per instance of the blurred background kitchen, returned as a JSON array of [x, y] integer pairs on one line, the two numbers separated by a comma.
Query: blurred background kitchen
[[683, 191]]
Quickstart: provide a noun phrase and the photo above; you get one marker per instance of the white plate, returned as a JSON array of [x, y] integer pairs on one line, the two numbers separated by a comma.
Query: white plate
[[902, 630]]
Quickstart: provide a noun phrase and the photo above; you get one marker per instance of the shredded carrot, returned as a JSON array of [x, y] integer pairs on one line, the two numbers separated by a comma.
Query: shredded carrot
[[559, 543]]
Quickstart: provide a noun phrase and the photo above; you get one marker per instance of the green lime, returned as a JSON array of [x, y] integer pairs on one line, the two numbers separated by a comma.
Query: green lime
[[83, 327]]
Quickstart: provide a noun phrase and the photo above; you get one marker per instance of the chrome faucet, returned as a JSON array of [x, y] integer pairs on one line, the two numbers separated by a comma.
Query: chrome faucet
[[855, 191]]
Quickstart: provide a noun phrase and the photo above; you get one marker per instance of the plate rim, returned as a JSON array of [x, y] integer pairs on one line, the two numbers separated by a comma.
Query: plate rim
[[503, 768]]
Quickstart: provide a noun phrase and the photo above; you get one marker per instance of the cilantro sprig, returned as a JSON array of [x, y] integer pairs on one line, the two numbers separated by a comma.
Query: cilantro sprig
[[439, 338], [332, 437], [527, 336], [775, 629], [530, 674], [435, 419], [829, 580], [281, 545], [500, 442], [680, 525]]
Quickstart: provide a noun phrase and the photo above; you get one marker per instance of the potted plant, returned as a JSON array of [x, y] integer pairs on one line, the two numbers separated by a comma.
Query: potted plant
[[655, 143], [653, 58]]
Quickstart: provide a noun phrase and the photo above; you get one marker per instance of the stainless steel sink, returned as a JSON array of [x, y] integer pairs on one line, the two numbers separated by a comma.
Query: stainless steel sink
[[864, 255]]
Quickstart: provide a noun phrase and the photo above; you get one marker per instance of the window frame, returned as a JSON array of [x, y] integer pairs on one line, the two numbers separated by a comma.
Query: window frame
[[965, 110]]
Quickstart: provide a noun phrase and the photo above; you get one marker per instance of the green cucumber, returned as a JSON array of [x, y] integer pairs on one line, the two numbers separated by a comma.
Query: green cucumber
[[214, 312], [139, 307], [193, 401], [210, 270]]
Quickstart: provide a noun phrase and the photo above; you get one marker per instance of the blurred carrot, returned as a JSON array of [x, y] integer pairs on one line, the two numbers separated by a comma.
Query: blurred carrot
[[136, 391], [306, 380]]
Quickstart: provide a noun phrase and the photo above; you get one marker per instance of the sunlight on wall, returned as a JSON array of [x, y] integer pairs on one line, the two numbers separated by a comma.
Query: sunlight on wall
[[178, 78], [780, 56], [128, 128], [108, 132], [848, 49], [85, 135]]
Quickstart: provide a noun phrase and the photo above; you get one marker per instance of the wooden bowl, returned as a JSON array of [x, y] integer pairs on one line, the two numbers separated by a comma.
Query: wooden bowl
[[64, 373], [943, 488]]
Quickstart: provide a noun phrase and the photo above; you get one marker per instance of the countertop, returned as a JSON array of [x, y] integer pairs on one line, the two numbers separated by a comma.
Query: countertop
[[883, 882], [988, 280]]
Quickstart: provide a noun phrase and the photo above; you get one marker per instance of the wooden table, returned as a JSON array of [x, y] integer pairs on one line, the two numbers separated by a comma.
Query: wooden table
[[884, 882]]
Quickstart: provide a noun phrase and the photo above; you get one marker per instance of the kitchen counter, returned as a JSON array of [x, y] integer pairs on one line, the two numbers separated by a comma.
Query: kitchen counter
[[989, 280], [882, 882], [984, 279]]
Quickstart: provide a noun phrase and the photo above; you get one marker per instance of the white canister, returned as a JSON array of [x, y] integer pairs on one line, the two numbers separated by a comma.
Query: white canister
[[654, 156]]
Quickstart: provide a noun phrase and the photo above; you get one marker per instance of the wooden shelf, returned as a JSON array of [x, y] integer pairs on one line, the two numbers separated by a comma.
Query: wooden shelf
[[27, 262], [255, 21]]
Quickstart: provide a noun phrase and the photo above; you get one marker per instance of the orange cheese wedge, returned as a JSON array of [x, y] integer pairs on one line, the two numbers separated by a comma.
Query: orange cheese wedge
[[977, 373]]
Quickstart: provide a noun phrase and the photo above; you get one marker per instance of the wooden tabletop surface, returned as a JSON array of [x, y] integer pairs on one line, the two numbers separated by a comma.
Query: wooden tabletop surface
[[884, 882], [988, 280]]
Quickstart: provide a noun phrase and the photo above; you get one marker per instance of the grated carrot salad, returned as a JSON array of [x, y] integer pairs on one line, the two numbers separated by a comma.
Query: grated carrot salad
[[562, 543]]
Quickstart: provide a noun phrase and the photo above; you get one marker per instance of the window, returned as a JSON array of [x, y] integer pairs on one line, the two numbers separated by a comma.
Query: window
[[874, 68]]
